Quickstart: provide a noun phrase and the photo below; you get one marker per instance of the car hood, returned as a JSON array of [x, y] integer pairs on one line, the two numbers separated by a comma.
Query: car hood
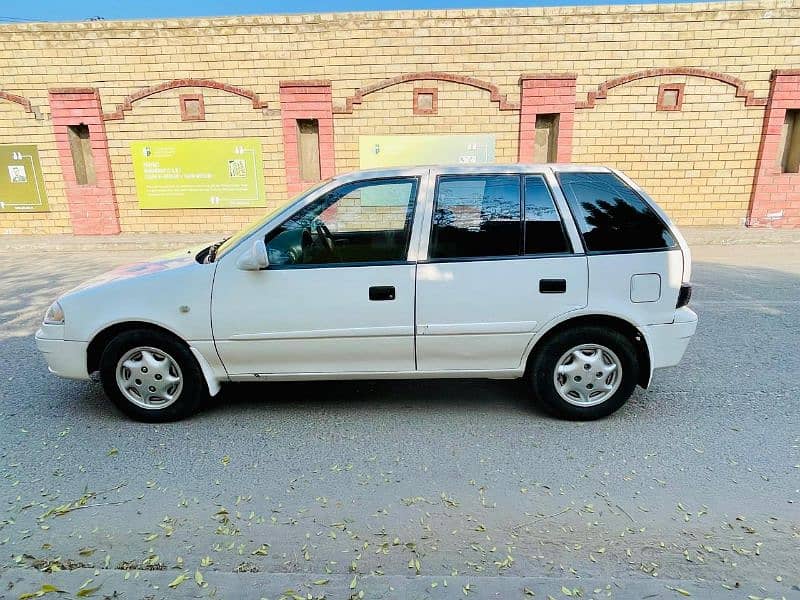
[[166, 262]]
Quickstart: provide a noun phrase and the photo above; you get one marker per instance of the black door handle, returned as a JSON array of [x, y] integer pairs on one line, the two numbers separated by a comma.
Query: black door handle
[[381, 292], [552, 286]]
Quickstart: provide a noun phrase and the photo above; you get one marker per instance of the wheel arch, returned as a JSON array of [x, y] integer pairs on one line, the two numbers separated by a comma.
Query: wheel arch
[[102, 338], [628, 329]]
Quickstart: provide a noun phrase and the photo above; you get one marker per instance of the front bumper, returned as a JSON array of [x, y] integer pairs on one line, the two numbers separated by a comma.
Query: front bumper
[[667, 343], [64, 358]]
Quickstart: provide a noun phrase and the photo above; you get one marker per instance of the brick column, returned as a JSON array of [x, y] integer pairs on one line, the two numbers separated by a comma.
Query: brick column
[[92, 207], [775, 200], [552, 93], [306, 100]]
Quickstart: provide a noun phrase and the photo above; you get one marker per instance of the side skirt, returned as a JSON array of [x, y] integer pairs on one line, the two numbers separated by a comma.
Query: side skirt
[[477, 374]]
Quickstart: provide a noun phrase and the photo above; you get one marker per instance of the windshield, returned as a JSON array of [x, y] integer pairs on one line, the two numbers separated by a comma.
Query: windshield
[[243, 233]]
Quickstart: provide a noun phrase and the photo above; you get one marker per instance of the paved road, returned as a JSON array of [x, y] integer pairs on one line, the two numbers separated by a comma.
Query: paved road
[[359, 486]]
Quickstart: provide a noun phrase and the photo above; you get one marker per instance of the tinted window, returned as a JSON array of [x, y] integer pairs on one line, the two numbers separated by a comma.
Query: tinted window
[[544, 233], [611, 216], [365, 221], [476, 215]]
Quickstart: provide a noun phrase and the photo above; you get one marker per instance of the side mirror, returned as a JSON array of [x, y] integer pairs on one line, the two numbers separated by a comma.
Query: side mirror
[[254, 258]]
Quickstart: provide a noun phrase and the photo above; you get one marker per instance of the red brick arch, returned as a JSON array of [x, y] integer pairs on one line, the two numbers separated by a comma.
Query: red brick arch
[[738, 84], [21, 100], [127, 102], [494, 92]]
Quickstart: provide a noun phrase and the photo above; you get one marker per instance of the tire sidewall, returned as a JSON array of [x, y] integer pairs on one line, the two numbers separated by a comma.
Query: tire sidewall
[[191, 395], [544, 364]]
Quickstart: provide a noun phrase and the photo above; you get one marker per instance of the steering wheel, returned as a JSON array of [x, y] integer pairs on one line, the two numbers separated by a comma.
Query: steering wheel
[[326, 236]]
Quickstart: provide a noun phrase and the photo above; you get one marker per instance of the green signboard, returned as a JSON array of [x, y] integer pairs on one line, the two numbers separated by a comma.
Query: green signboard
[[407, 150], [21, 181], [206, 173], [377, 151]]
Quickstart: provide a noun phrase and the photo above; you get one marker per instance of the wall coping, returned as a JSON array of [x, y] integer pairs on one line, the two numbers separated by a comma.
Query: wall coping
[[305, 83], [725, 8], [535, 76]]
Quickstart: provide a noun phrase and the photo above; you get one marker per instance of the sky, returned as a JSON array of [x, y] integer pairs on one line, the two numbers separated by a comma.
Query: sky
[[61, 10]]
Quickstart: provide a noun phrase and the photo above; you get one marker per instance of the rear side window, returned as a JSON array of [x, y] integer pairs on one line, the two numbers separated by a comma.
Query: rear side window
[[611, 216], [476, 215], [544, 232]]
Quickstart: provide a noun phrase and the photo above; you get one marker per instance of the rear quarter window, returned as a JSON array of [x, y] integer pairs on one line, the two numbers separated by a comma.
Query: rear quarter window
[[611, 216]]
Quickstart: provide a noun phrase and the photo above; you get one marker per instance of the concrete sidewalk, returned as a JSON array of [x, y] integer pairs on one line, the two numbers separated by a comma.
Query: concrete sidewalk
[[153, 242]]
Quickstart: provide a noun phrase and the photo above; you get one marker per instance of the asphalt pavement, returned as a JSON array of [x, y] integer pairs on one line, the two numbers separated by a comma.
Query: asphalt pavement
[[402, 489]]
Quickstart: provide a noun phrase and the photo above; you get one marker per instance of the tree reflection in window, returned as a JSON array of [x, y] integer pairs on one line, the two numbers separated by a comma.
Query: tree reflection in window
[[611, 216], [476, 215], [544, 232]]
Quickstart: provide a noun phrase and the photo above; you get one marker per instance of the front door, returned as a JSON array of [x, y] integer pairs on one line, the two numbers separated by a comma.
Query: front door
[[338, 296], [500, 266]]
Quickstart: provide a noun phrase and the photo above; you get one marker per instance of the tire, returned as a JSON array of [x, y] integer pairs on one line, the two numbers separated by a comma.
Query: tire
[[155, 361], [572, 350]]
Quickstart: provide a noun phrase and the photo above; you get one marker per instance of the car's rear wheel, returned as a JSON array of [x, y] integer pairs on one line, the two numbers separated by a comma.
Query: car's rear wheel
[[584, 373], [151, 376]]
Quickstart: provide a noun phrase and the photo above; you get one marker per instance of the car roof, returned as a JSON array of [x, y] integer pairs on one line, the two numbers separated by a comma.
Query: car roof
[[513, 168]]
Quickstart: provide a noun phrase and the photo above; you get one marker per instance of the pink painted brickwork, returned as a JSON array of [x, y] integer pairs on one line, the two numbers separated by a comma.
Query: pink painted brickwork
[[306, 100], [547, 94], [775, 200], [92, 208]]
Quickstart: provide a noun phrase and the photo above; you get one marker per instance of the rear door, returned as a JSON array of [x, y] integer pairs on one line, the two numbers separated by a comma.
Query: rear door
[[497, 265]]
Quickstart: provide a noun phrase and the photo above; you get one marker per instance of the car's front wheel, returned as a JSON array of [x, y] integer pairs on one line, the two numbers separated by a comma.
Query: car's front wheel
[[151, 376], [584, 373]]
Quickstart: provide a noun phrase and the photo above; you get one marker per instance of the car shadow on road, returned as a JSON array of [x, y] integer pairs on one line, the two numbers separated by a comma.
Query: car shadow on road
[[475, 395]]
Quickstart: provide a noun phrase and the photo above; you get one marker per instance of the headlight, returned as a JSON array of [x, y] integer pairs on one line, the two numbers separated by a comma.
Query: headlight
[[54, 315]]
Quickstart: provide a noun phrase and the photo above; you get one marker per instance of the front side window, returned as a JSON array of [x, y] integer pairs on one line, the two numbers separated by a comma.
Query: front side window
[[611, 216], [475, 216], [360, 222]]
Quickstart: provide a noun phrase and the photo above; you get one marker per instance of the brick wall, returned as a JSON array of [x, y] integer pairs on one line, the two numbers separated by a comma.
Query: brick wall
[[699, 161], [93, 205], [461, 109], [306, 100], [547, 94], [19, 126], [158, 116], [776, 195]]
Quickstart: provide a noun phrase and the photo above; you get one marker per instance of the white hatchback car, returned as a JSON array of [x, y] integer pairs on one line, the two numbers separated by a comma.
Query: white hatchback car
[[569, 276]]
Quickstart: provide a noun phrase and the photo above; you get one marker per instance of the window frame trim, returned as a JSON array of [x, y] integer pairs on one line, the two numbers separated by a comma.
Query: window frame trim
[[384, 263], [633, 188], [549, 255], [412, 221], [568, 225]]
